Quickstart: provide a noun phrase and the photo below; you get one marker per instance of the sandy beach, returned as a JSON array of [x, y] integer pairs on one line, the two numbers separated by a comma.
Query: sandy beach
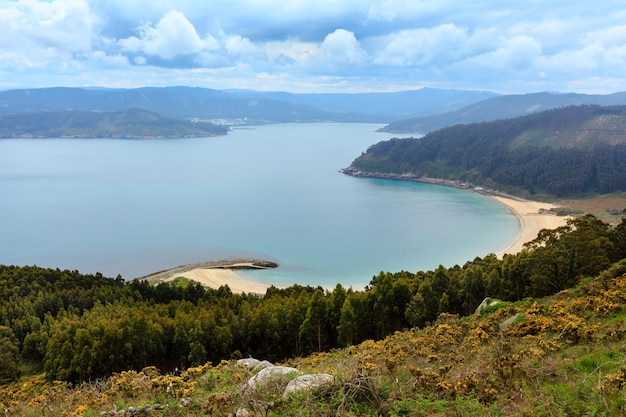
[[531, 220], [215, 278]]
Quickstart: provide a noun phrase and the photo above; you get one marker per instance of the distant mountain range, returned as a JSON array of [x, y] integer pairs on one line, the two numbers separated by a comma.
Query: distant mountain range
[[243, 106], [501, 107], [420, 111], [379, 107]]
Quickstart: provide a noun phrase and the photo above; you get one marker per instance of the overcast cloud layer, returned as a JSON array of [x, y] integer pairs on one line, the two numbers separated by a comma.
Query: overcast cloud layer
[[316, 46]]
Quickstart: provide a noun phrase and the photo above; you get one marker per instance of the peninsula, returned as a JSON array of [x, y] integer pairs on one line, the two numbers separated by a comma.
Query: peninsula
[[123, 124]]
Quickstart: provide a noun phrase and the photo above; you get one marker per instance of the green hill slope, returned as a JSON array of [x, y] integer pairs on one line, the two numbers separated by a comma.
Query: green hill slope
[[560, 152], [409, 344], [130, 123], [561, 355]]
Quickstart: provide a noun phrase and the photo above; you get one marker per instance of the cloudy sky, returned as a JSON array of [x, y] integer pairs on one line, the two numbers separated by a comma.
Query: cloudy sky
[[316, 45]]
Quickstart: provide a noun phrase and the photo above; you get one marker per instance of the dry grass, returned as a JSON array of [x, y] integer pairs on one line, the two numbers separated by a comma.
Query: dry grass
[[607, 207]]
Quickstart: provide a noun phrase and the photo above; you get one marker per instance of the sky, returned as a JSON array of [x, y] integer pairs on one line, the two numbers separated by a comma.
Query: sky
[[316, 46]]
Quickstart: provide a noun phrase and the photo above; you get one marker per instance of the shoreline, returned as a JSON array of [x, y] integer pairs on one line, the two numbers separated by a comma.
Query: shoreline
[[532, 215]]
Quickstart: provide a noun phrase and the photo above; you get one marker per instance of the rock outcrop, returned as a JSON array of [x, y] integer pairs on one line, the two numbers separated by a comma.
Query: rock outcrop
[[145, 411], [267, 374], [266, 371], [248, 363], [487, 302], [307, 382], [508, 322]]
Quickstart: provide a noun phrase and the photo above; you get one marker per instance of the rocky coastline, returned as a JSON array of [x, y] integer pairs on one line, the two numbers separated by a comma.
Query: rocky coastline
[[354, 172]]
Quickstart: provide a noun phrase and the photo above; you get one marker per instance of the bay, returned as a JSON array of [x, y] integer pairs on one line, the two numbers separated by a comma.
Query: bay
[[133, 207]]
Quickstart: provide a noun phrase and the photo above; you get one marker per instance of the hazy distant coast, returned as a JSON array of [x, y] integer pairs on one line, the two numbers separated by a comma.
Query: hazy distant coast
[[131, 123]]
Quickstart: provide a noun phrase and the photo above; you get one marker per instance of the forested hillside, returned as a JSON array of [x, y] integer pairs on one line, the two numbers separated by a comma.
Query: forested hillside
[[77, 327], [560, 152], [561, 355], [130, 123]]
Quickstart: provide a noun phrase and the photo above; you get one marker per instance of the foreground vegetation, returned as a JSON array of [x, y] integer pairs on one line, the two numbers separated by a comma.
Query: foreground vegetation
[[78, 327], [79, 344], [561, 355]]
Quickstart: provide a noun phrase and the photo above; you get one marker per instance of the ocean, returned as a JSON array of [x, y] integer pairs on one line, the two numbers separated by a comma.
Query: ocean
[[133, 207]]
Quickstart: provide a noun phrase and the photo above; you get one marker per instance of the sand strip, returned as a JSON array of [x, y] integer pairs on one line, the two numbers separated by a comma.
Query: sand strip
[[531, 220], [215, 278]]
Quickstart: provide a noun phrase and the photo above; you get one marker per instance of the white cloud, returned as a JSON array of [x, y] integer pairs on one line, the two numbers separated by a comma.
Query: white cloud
[[517, 53], [341, 46], [390, 10], [438, 46], [291, 51], [237, 45], [100, 59], [594, 59], [173, 35], [31, 25], [609, 36]]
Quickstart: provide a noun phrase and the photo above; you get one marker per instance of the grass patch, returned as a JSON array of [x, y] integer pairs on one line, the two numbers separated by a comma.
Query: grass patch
[[601, 362], [181, 282], [606, 207]]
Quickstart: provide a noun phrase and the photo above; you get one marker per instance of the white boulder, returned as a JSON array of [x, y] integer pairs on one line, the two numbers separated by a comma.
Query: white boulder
[[268, 373], [307, 382]]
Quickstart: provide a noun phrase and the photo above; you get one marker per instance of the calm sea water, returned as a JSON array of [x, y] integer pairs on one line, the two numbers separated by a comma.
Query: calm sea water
[[133, 207]]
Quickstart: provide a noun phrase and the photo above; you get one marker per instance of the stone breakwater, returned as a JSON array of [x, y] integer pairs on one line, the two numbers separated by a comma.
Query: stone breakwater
[[236, 263]]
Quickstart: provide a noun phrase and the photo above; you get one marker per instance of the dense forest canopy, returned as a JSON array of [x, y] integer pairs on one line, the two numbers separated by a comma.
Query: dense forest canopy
[[79, 327], [560, 152]]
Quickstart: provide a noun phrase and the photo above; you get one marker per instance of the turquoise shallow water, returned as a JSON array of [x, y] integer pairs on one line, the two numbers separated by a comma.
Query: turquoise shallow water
[[133, 207]]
